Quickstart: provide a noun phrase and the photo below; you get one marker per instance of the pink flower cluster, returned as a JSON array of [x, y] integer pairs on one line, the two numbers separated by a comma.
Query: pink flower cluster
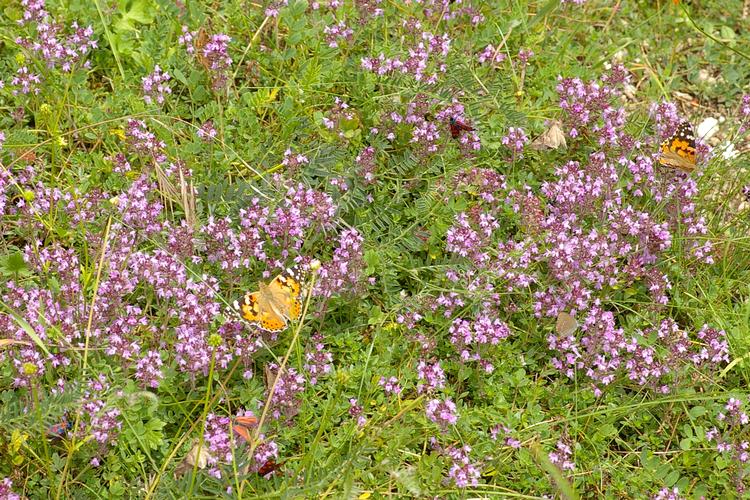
[[588, 107], [6, 491], [207, 132], [355, 410], [515, 140], [442, 412], [292, 161], [155, 88], [732, 439], [509, 440], [218, 441], [33, 11], [366, 162], [56, 49], [213, 55], [25, 82], [491, 55], [337, 33], [430, 375], [462, 472], [318, 360], [143, 142], [561, 456], [426, 59], [286, 398], [338, 115], [104, 420], [268, 234], [266, 451], [390, 385], [667, 494], [468, 141], [343, 274], [468, 337], [603, 351]]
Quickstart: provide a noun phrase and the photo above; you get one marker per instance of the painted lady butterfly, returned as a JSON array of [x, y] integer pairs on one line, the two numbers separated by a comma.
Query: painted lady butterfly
[[679, 150], [274, 304]]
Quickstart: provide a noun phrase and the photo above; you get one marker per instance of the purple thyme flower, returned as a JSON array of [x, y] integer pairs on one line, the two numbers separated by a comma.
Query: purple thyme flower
[[25, 81], [155, 86], [462, 472], [515, 140], [286, 398], [6, 485], [266, 451], [524, 55], [509, 439], [148, 370], [667, 494], [355, 410], [219, 442], [561, 456], [54, 48], [143, 142], [337, 33], [318, 362], [491, 55], [33, 11], [432, 375], [207, 132], [390, 385], [442, 413]]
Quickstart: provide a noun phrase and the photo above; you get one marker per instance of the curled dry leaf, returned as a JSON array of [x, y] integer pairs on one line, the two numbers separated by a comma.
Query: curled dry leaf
[[197, 455], [552, 138]]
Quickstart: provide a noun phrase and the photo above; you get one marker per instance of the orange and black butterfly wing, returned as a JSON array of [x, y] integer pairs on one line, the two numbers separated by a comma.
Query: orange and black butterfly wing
[[679, 150], [243, 432], [256, 311], [242, 426], [249, 308], [289, 286]]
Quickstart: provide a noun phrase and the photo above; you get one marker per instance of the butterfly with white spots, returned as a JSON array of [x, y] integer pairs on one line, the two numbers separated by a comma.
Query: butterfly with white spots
[[274, 304]]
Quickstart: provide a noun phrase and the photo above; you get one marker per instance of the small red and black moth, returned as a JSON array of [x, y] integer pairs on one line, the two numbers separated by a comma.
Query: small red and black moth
[[458, 126], [60, 429]]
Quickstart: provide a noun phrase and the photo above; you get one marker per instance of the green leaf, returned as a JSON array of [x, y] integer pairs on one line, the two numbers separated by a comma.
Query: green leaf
[[697, 411], [408, 480], [117, 489], [672, 478], [135, 11], [180, 76], [13, 263]]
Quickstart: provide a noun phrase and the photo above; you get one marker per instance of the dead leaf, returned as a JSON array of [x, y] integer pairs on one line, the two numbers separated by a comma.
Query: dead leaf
[[197, 455]]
